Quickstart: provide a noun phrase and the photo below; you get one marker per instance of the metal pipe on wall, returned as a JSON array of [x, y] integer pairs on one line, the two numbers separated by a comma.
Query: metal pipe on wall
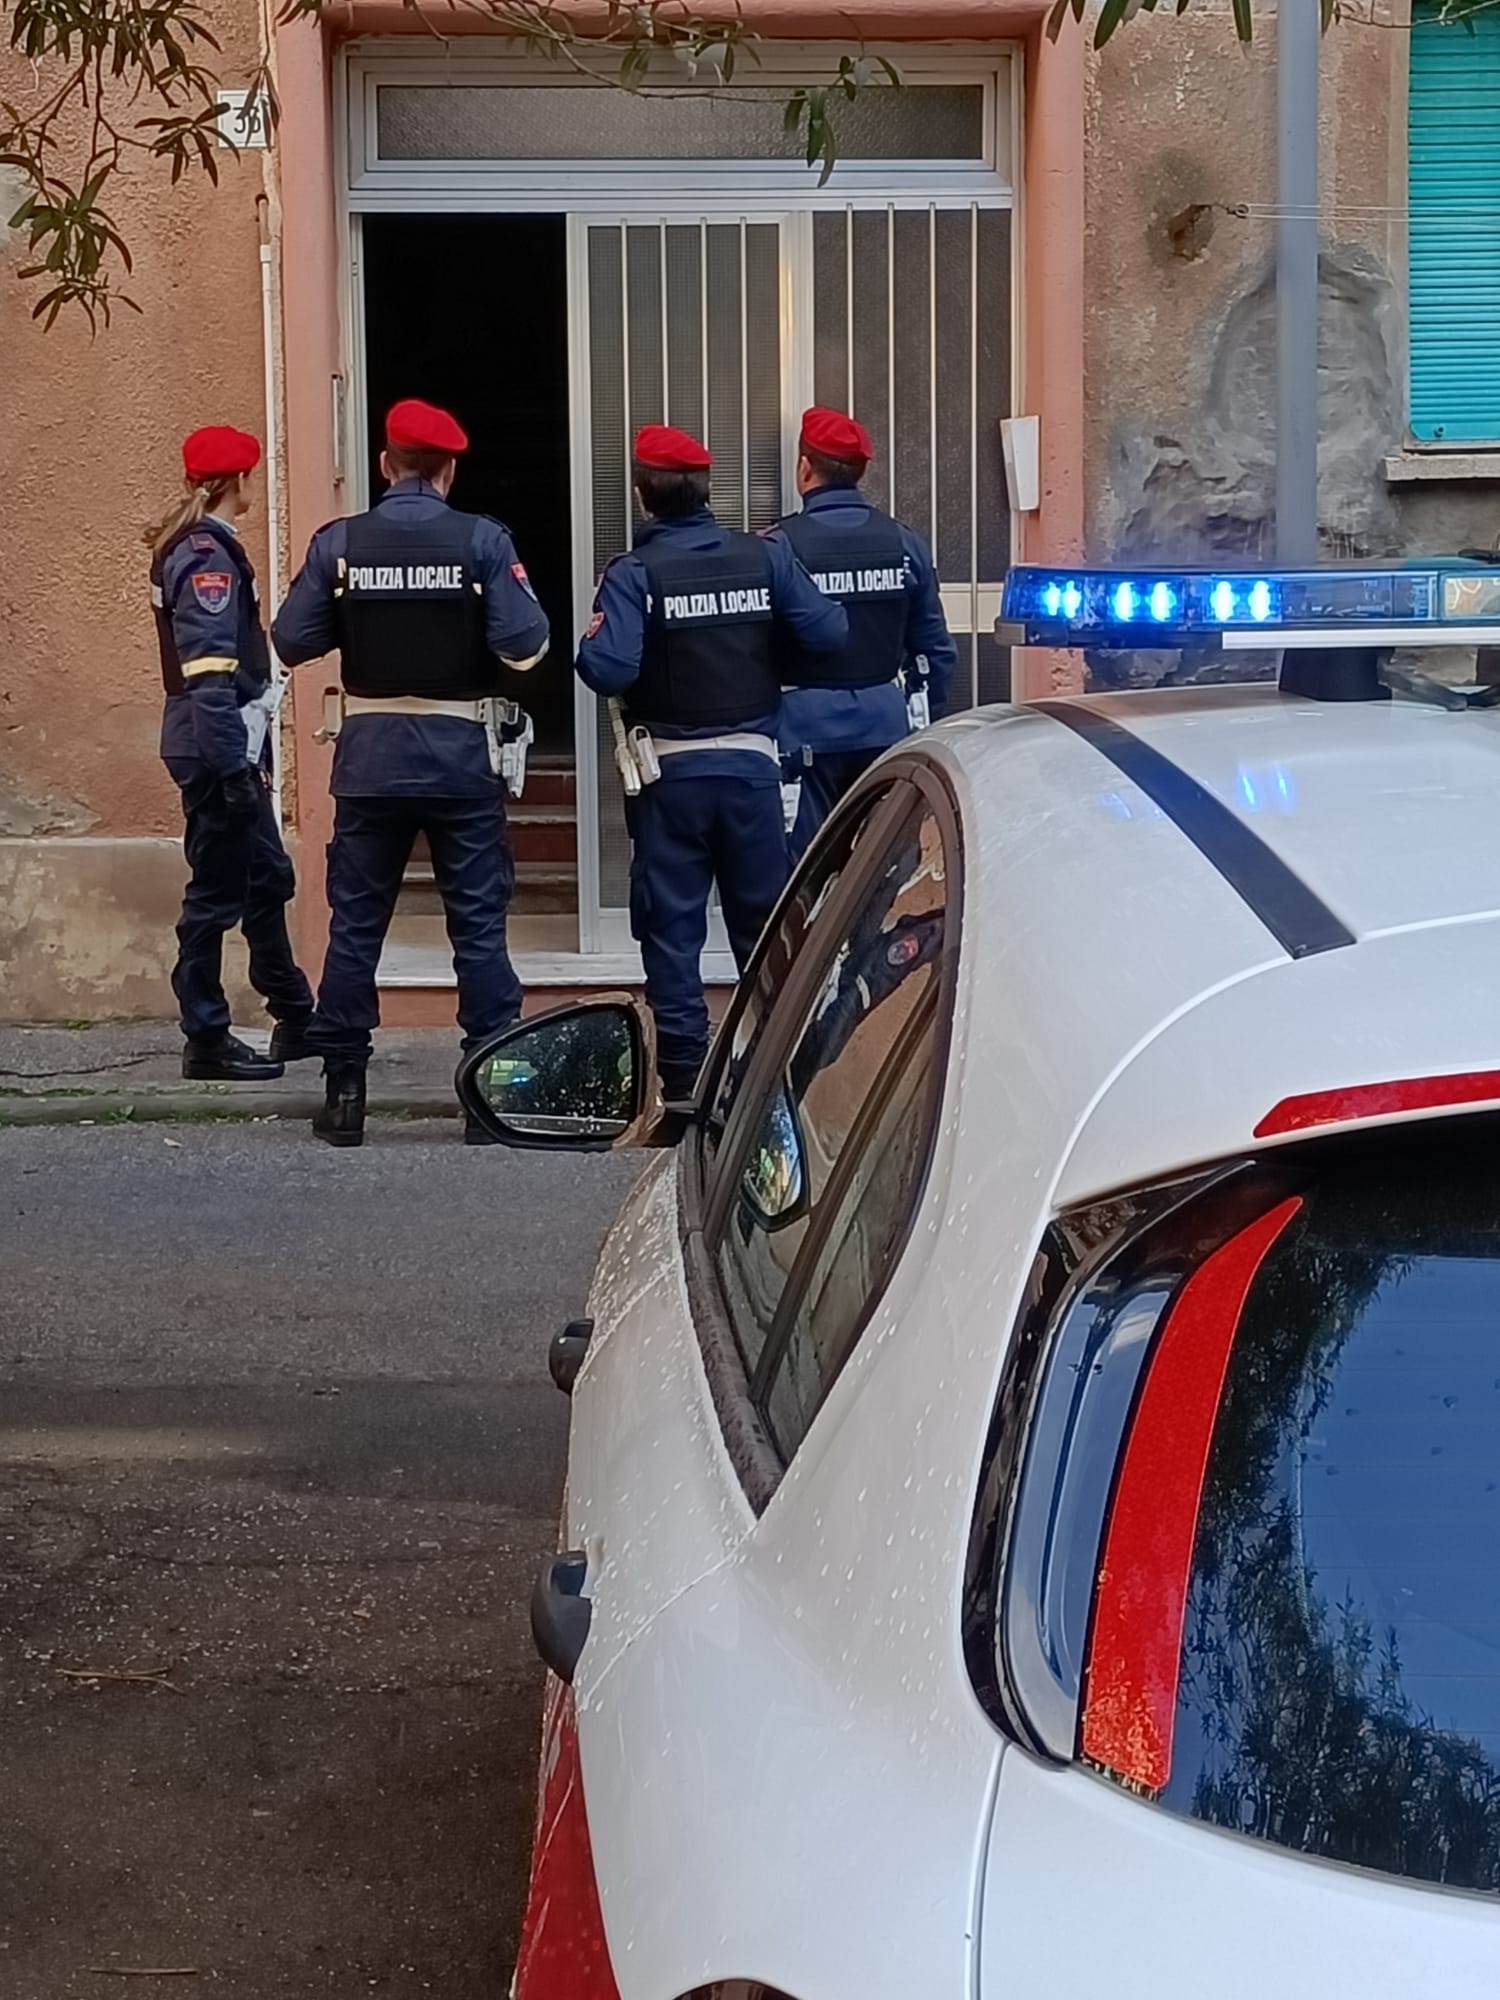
[[272, 464], [1299, 30]]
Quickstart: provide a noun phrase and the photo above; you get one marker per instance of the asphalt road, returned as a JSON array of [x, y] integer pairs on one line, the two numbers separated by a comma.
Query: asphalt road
[[275, 1421]]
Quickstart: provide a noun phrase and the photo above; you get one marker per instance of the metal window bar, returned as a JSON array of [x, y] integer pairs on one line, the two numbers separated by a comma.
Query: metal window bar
[[974, 452], [932, 371], [744, 376], [666, 345], [849, 299], [890, 342], [625, 372]]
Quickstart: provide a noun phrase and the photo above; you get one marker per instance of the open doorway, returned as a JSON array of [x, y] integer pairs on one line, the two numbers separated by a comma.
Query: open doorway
[[471, 312]]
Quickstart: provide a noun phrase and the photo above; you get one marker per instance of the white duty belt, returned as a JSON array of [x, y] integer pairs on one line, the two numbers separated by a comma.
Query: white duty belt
[[414, 704], [678, 746]]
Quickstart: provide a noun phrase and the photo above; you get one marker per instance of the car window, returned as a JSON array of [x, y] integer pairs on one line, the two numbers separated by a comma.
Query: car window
[[795, 922], [835, 1166], [1338, 1685]]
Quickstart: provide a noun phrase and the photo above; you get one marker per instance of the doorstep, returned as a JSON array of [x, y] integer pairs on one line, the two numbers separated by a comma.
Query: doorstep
[[416, 968], [418, 990]]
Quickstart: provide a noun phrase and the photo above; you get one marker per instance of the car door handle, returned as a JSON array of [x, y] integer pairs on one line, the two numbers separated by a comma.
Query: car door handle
[[561, 1614], [565, 1356]]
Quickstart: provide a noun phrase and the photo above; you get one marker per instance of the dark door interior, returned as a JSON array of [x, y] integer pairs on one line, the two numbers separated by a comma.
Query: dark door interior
[[471, 312]]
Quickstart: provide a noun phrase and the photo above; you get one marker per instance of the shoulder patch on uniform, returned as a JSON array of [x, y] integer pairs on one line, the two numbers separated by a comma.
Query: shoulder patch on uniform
[[201, 543], [518, 571], [213, 588], [596, 626]]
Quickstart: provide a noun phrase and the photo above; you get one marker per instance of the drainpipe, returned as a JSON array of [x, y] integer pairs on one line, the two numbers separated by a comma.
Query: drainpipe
[[1299, 35], [273, 456]]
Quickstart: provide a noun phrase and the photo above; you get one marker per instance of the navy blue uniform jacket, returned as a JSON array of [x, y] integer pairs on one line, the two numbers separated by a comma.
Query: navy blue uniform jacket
[[214, 617], [836, 720], [609, 657], [412, 756]]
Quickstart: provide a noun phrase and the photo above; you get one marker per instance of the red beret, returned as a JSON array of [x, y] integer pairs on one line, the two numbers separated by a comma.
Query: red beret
[[667, 450], [218, 452], [836, 436], [418, 426]]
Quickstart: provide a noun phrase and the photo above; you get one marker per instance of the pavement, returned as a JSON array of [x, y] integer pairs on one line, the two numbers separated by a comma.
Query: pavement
[[98, 1073], [279, 1459]]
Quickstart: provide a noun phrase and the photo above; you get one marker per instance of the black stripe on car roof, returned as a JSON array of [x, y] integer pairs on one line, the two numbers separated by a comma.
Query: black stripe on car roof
[[1299, 921]]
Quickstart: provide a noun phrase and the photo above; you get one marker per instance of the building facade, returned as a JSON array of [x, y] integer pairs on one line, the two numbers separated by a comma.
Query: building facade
[[1024, 229]]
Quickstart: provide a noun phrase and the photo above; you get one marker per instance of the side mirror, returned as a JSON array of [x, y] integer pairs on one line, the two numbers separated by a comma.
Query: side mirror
[[575, 1080]]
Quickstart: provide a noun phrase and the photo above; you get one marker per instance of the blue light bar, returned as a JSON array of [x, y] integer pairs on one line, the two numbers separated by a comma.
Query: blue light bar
[[1176, 607]]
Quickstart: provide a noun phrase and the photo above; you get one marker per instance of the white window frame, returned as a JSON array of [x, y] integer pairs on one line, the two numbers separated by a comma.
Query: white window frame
[[498, 186]]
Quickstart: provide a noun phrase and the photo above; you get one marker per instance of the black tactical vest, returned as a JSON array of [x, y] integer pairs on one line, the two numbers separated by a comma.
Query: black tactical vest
[[411, 611], [708, 660], [865, 568], [250, 640]]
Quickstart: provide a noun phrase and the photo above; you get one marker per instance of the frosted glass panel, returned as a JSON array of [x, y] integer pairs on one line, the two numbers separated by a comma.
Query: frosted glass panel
[[539, 122]]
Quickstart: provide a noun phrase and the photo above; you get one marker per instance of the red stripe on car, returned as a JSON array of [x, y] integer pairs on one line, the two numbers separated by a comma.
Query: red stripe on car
[[1135, 1649], [1379, 1100], [563, 1951]]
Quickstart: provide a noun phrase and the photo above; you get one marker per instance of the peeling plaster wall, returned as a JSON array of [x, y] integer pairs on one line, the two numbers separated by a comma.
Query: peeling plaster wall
[[1181, 312], [89, 454]]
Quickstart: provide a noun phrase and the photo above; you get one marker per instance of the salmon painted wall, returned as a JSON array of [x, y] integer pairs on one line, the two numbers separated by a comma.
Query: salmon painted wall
[[89, 454]]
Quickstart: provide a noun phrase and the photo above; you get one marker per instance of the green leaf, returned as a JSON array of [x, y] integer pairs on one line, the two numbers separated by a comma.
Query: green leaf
[[1244, 27], [1060, 12]]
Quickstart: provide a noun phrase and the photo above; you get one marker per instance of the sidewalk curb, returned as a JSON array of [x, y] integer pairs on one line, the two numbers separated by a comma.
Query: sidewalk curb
[[184, 1107]]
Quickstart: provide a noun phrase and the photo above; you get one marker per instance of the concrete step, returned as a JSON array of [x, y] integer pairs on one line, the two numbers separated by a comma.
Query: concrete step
[[543, 833], [542, 888], [423, 940], [551, 782]]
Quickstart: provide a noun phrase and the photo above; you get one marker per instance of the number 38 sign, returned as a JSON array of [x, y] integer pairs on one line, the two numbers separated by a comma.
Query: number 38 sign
[[244, 119]]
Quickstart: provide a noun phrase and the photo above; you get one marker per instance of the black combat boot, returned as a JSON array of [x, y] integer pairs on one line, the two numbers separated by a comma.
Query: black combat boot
[[289, 1041], [225, 1059], [679, 1086], [341, 1122]]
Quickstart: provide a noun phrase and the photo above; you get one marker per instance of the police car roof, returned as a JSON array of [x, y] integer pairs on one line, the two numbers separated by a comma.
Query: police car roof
[[1182, 908]]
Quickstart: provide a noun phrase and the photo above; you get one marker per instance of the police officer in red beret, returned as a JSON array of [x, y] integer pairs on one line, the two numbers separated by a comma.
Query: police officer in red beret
[[422, 603], [837, 721], [693, 630], [216, 670]]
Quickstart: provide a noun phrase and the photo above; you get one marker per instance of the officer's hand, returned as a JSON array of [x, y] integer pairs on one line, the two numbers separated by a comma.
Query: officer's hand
[[242, 791]]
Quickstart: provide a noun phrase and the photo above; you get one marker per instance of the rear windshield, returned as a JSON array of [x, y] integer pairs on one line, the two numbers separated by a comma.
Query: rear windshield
[[1340, 1674]]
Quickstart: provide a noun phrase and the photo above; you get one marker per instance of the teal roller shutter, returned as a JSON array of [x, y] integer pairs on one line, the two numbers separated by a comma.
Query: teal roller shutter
[[1454, 142]]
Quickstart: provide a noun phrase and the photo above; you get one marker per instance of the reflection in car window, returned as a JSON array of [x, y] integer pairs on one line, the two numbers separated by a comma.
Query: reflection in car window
[[809, 898], [846, 1130], [1340, 1683]]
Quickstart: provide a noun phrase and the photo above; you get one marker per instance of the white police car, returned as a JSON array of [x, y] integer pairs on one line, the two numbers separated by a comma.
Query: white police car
[[1034, 1498]]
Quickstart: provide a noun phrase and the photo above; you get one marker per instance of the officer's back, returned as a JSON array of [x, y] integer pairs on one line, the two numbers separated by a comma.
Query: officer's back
[[423, 603], [688, 631], [848, 709]]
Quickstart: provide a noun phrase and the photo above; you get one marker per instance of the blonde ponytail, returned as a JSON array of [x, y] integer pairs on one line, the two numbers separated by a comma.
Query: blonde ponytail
[[198, 502]]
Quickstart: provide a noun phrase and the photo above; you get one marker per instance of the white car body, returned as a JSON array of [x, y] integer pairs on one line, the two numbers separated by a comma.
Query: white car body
[[787, 1775]]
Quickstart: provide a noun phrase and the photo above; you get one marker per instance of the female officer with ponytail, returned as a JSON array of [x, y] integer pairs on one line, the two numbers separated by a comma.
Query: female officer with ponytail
[[216, 668]]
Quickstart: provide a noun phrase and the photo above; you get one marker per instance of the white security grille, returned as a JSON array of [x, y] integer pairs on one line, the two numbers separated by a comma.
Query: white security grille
[[684, 327], [911, 331], [900, 312]]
